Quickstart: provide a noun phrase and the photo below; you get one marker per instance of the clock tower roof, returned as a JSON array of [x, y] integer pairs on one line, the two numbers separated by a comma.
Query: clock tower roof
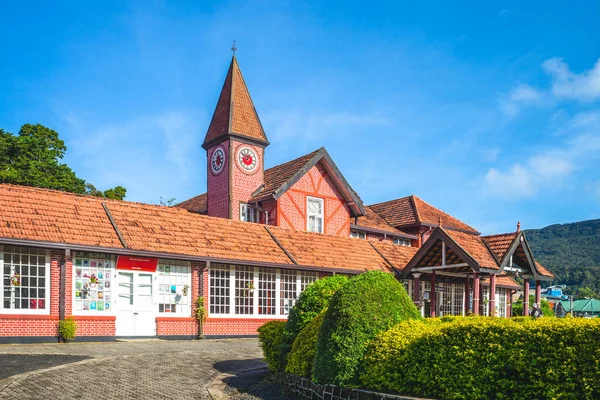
[[235, 114]]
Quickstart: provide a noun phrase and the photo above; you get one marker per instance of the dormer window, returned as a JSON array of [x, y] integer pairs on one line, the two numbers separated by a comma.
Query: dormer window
[[314, 215], [402, 242], [358, 234], [247, 213]]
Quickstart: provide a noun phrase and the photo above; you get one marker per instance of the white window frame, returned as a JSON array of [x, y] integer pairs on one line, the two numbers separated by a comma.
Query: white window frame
[[355, 234], [317, 216], [301, 278], [402, 242], [247, 213], [37, 311]]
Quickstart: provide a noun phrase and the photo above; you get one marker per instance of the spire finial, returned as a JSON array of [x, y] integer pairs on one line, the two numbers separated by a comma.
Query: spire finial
[[440, 220], [233, 48], [518, 226]]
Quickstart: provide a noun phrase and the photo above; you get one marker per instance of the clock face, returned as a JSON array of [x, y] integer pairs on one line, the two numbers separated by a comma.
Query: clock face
[[217, 161], [247, 159]]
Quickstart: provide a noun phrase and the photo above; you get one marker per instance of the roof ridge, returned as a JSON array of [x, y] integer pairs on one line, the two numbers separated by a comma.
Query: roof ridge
[[415, 208], [389, 201]]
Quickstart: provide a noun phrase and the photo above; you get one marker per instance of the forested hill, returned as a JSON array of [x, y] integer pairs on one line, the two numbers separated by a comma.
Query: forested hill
[[570, 251]]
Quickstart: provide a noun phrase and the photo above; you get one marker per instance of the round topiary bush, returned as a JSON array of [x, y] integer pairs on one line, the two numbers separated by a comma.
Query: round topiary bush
[[270, 335], [300, 359], [310, 303], [365, 306]]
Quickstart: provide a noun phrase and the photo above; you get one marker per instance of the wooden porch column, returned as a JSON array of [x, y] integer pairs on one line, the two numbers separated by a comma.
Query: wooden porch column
[[476, 294], [417, 290], [526, 296], [467, 296], [432, 296], [492, 312], [538, 294]]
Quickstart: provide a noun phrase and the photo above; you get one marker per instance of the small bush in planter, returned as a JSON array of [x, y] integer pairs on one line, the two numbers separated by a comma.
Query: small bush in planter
[[270, 335], [67, 329]]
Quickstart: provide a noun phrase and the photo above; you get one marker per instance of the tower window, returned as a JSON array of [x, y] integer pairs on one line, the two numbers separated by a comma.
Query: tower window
[[315, 215], [358, 234], [247, 213]]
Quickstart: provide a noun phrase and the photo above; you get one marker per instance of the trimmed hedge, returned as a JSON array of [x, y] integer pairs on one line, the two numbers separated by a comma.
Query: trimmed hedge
[[311, 302], [491, 358], [365, 306], [300, 359], [270, 335]]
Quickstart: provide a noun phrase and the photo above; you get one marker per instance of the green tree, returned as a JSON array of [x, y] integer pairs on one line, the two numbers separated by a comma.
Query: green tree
[[33, 158], [587, 293]]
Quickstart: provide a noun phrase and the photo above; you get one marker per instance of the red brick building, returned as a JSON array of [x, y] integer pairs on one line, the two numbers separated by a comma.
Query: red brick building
[[250, 245]]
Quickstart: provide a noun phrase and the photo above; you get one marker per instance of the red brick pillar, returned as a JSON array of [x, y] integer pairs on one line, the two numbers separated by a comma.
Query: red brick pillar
[[476, 294], [432, 296], [417, 290], [467, 296], [538, 294], [492, 312], [526, 297]]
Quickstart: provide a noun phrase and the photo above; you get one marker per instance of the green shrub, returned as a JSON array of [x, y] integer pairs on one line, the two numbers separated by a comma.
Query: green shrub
[[270, 335], [311, 302], [487, 358], [365, 306], [67, 329], [300, 359]]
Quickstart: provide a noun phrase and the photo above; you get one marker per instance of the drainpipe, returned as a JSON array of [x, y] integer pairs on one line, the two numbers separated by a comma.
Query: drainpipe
[[62, 291]]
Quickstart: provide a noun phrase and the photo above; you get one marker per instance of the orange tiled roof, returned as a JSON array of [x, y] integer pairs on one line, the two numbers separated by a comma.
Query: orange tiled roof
[[500, 244], [235, 112], [332, 251], [172, 230], [399, 256], [53, 216], [278, 175], [504, 281], [543, 270], [475, 247], [198, 204], [373, 220], [411, 210]]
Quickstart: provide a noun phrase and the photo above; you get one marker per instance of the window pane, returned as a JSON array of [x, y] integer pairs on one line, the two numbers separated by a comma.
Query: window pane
[[22, 281], [244, 290], [219, 289], [287, 291]]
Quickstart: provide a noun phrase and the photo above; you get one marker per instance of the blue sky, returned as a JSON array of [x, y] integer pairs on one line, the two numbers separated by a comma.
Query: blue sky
[[487, 110]]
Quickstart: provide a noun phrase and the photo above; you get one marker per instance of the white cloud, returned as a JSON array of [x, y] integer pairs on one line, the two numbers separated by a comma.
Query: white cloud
[[151, 156], [566, 84], [521, 96], [579, 150]]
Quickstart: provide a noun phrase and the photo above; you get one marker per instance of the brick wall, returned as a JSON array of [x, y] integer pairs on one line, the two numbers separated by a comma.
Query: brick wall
[[218, 185], [231, 326], [28, 325], [316, 183], [167, 326], [244, 183], [95, 325]]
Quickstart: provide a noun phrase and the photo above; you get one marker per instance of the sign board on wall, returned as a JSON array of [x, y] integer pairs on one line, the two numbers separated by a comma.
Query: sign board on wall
[[146, 264]]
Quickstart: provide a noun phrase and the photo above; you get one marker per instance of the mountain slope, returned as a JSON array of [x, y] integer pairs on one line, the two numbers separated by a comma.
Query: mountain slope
[[570, 251]]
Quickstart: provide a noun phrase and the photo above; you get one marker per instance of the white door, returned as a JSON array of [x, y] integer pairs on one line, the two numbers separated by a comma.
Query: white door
[[135, 304]]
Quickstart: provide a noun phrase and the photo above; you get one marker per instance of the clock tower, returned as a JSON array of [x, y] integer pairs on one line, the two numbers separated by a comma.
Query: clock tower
[[235, 146]]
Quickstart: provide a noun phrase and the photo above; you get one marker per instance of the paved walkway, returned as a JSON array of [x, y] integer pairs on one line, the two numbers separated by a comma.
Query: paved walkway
[[150, 369]]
